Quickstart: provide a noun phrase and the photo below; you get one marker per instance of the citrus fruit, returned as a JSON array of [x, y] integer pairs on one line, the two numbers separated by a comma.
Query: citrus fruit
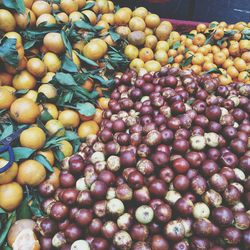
[[136, 64], [36, 67], [54, 178], [198, 59], [53, 42], [55, 127], [88, 128], [152, 20], [48, 154], [66, 148], [69, 6], [161, 56], [62, 17], [162, 32], [11, 195], [131, 52], [69, 118], [137, 23], [201, 27], [152, 66], [17, 228], [75, 16], [24, 80], [6, 78], [26, 239], [24, 110], [52, 62], [7, 21], [146, 54], [199, 39], [41, 7], [88, 84], [232, 71], [48, 90], [98, 116], [23, 20], [33, 137], [151, 41], [240, 64], [45, 18], [123, 31], [6, 98], [31, 173], [81, 3], [48, 77], [8, 175], [140, 12], [15, 35], [109, 18], [123, 16], [94, 50], [103, 6], [51, 108], [90, 15], [103, 102], [162, 45]]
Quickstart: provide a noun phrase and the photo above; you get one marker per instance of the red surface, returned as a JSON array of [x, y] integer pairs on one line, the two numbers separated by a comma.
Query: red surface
[[182, 25]]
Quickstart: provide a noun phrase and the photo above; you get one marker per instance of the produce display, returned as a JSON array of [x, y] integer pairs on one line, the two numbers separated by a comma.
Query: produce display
[[119, 132]]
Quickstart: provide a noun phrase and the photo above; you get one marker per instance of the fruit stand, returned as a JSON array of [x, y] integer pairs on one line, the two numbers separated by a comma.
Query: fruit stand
[[122, 129]]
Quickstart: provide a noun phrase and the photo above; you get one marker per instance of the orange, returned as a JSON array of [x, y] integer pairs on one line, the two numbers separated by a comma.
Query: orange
[[174, 37], [193, 48], [24, 110], [6, 78], [196, 68], [88, 84], [131, 52], [79, 45], [137, 23], [240, 64], [234, 48], [45, 18], [181, 49], [244, 77], [36, 67], [201, 27], [22, 20], [215, 49], [26, 239], [232, 71], [6, 98], [7, 21], [31, 173], [140, 12], [108, 39], [146, 54], [225, 51], [69, 118], [54, 178], [10, 174], [178, 58], [219, 58], [123, 31], [245, 56], [136, 64], [81, 3], [11, 195], [244, 45], [91, 16], [151, 41], [162, 45], [55, 127], [123, 16], [94, 50], [188, 42], [48, 154], [9, 88], [152, 21], [51, 108], [225, 79], [52, 62], [33, 137], [41, 7], [227, 63], [31, 94], [199, 39], [111, 6], [198, 59], [15, 35], [28, 3], [48, 77], [101, 43], [109, 18], [75, 16], [219, 33], [103, 6], [87, 128], [161, 56], [172, 52], [152, 66], [66, 148], [103, 102], [105, 26], [63, 17], [98, 116], [208, 65], [55, 7], [53, 42], [240, 26], [148, 31], [222, 24], [48, 90]]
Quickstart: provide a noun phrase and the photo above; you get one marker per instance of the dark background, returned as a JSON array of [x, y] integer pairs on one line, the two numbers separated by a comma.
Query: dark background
[[197, 10]]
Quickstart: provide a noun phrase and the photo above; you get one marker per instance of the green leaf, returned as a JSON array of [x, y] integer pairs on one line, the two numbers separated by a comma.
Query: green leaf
[[29, 44], [6, 247], [65, 79], [66, 42], [59, 155], [86, 109], [68, 65], [86, 60], [176, 45], [187, 61], [17, 5], [53, 142], [41, 125], [87, 26], [71, 136], [8, 52], [23, 211], [106, 83], [213, 70], [19, 153], [44, 162], [6, 228], [45, 115], [88, 6], [7, 131], [65, 98], [35, 208], [115, 37], [171, 59]]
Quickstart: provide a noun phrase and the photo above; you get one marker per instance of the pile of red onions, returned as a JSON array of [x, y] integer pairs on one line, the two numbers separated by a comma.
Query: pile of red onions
[[168, 170]]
